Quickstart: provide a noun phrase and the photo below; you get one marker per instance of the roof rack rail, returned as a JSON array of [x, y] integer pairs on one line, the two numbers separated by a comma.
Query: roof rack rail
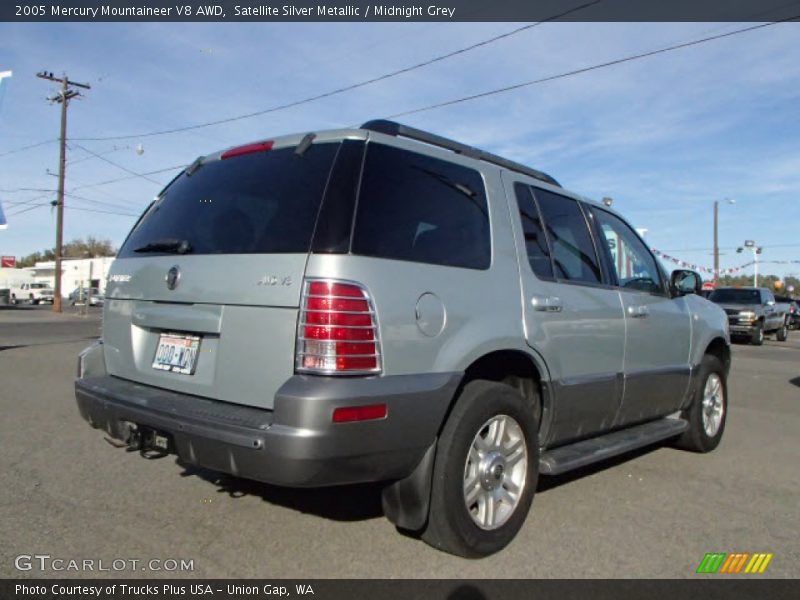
[[398, 130]]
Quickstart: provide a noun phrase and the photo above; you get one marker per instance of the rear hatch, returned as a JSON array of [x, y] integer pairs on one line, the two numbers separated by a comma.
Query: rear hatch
[[204, 295]]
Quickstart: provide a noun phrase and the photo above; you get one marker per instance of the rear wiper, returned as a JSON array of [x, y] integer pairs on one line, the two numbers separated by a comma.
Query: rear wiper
[[168, 245]]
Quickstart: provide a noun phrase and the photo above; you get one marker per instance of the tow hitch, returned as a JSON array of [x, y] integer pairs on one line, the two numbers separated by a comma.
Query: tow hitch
[[145, 440]]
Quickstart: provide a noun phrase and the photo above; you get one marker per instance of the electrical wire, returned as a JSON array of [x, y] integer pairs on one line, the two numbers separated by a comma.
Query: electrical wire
[[119, 166], [118, 179], [594, 67], [346, 88], [23, 148]]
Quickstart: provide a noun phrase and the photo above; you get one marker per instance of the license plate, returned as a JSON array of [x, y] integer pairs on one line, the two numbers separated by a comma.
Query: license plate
[[177, 353]]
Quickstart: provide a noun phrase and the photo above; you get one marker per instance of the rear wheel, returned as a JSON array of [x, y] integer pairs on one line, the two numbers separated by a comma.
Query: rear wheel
[[485, 473], [709, 408], [757, 337]]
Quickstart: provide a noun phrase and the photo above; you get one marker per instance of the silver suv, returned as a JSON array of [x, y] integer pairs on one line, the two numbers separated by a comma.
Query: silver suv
[[384, 304]]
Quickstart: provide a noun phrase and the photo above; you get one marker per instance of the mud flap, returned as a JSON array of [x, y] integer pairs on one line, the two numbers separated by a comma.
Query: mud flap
[[406, 502]]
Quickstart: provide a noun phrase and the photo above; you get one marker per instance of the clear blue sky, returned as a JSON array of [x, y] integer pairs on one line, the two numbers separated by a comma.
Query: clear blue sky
[[664, 136]]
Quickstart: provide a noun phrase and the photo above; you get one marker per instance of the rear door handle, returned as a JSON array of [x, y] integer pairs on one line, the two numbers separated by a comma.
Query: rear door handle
[[546, 303], [639, 312]]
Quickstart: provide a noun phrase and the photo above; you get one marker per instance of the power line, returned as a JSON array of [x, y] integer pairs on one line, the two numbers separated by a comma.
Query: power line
[[75, 161], [587, 69], [119, 166], [118, 179], [347, 88], [23, 189], [94, 210], [23, 148], [99, 202]]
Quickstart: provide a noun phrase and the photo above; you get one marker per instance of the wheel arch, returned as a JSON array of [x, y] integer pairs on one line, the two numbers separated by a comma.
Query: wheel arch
[[522, 370], [721, 349]]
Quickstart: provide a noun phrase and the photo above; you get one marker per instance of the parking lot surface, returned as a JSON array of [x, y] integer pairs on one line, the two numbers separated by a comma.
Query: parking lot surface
[[67, 493]]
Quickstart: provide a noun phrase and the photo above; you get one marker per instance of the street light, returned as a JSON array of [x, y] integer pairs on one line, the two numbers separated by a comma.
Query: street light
[[756, 250], [716, 235]]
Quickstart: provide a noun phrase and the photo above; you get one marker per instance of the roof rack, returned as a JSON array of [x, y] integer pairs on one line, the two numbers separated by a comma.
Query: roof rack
[[398, 130]]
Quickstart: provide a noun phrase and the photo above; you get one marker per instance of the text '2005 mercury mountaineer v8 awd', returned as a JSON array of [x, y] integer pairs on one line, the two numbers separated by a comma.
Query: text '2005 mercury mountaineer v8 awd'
[[384, 304]]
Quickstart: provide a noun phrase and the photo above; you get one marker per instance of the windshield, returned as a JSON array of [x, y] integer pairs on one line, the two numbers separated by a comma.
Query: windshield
[[265, 202], [38, 286], [727, 296]]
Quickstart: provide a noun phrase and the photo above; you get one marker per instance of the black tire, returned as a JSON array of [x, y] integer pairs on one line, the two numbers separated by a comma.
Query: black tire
[[782, 333], [450, 525], [13, 299], [757, 337], [696, 438]]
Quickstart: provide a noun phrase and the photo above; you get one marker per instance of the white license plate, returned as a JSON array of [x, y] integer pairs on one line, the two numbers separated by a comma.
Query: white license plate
[[177, 353]]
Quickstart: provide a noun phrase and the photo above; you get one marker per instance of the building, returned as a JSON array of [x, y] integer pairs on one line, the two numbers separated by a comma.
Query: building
[[75, 273]]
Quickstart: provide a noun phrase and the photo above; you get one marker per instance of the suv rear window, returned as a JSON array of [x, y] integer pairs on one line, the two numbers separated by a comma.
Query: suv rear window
[[421, 209], [265, 202]]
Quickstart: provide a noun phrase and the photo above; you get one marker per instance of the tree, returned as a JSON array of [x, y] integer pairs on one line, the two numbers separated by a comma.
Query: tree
[[90, 247]]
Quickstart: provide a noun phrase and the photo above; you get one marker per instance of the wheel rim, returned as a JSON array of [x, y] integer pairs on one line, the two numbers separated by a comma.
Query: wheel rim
[[495, 472], [713, 405]]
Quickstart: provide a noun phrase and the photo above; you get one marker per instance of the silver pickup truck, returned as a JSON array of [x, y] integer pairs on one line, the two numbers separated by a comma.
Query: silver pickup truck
[[384, 304], [753, 313]]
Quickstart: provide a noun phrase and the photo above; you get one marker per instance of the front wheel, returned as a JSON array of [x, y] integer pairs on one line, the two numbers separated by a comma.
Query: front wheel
[[485, 473], [709, 408], [757, 337], [782, 334]]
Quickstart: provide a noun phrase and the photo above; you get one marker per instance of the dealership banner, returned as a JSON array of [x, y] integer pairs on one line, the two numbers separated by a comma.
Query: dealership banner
[[398, 10], [709, 587]]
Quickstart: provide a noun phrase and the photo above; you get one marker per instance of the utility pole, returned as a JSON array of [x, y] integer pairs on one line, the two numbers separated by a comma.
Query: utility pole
[[65, 94], [716, 236], [716, 242]]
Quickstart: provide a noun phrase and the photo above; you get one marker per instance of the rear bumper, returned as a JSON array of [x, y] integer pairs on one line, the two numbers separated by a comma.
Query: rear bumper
[[296, 444]]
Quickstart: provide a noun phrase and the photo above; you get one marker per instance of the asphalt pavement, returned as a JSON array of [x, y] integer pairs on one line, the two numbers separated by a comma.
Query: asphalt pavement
[[67, 493]]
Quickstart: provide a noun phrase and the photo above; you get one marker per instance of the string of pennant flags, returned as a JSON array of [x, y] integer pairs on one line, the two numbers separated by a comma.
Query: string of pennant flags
[[727, 271]]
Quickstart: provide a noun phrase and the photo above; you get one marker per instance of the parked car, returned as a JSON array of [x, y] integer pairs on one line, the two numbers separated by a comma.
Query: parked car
[[793, 314], [753, 313], [384, 304], [80, 296], [32, 293]]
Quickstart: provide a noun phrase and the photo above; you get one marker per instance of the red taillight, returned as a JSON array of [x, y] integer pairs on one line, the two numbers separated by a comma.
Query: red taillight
[[370, 412], [248, 149], [337, 330]]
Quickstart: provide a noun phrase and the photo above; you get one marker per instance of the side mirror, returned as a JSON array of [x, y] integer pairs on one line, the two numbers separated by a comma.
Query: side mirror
[[683, 282]]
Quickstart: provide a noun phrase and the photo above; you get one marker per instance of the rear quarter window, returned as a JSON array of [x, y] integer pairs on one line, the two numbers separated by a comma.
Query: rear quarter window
[[421, 209]]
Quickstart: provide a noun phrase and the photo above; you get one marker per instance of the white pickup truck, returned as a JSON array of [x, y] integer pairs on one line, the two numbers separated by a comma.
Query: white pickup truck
[[32, 293]]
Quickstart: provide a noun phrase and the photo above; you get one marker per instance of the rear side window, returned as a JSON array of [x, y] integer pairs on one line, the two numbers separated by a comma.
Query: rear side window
[[421, 209], [533, 231], [266, 202], [571, 247]]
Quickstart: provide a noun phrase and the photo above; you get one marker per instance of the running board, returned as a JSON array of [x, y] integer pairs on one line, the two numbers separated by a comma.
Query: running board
[[586, 452]]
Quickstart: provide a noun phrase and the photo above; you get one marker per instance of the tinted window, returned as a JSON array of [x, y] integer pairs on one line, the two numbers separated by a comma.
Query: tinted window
[[635, 267], [533, 231], [413, 207], [735, 296], [265, 202], [574, 256]]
